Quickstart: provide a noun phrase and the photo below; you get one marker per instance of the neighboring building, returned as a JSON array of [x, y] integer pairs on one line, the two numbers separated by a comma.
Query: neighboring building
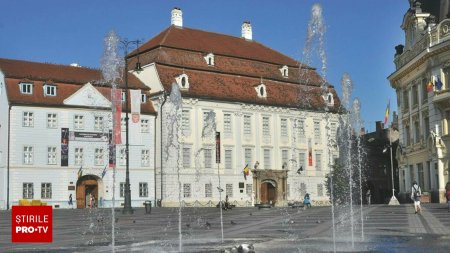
[[421, 80], [38, 101], [378, 163], [269, 110]]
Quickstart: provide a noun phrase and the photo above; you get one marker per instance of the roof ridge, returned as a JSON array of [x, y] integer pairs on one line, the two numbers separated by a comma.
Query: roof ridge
[[49, 63]]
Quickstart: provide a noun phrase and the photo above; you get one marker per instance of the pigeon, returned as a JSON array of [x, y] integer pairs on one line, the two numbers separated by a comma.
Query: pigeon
[[134, 221], [318, 222], [250, 214], [117, 219], [207, 225], [233, 223], [188, 225], [246, 248], [220, 189]]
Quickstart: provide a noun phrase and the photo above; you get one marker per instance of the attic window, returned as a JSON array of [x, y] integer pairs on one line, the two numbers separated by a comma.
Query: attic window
[[261, 91], [284, 71], [26, 88], [329, 99], [183, 81], [143, 98], [209, 58], [49, 90]]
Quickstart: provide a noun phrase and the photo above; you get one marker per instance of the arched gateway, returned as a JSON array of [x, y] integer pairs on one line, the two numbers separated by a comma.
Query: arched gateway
[[270, 186], [87, 186]]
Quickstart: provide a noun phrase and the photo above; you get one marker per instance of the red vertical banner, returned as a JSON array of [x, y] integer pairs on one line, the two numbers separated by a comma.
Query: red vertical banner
[[117, 100], [112, 150], [310, 159], [217, 147]]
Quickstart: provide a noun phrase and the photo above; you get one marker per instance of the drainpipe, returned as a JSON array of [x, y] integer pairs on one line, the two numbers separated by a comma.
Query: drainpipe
[[9, 152], [161, 142]]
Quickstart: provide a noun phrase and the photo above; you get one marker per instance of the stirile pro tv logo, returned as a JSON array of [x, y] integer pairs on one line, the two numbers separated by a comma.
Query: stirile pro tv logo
[[31, 224]]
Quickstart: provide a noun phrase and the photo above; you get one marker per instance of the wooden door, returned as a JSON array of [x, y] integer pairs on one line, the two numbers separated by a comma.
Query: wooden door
[[264, 193], [271, 194], [86, 185]]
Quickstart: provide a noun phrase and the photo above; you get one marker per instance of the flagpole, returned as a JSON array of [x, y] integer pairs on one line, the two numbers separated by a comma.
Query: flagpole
[[393, 200]]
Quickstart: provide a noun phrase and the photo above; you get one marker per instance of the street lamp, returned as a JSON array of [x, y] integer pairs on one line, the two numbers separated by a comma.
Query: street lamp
[[393, 200], [127, 205]]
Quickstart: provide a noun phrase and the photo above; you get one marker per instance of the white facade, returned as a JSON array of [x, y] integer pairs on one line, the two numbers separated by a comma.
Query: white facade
[[4, 112], [35, 151]]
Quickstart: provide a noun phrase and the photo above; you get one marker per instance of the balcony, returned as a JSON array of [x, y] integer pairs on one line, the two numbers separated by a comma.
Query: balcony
[[442, 98]]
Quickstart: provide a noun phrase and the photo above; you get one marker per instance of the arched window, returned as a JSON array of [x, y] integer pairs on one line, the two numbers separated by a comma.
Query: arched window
[[261, 91], [183, 82]]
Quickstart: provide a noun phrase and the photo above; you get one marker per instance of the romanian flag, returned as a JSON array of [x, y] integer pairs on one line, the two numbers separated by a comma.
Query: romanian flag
[[246, 171], [80, 172], [430, 86], [104, 172], [386, 115]]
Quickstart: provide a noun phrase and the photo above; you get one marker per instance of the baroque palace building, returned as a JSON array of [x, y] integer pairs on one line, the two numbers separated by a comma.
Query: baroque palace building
[[268, 108], [54, 127], [421, 80]]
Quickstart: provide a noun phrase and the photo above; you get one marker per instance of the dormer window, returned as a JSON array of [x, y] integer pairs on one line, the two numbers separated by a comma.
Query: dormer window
[[261, 90], [209, 58], [329, 99], [49, 90], [284, 71], [26, 88], [183, 81], [143, 98]]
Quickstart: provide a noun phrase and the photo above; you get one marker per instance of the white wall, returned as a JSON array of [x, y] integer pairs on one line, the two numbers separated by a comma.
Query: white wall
[[3, 141]]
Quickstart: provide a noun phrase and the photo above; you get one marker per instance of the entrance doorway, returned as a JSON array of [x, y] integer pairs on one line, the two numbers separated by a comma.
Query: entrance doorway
[[268, 192], [87, 186]]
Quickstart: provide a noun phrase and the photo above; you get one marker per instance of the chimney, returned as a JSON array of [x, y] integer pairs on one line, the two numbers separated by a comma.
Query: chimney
[[177, 17], [247, 30]]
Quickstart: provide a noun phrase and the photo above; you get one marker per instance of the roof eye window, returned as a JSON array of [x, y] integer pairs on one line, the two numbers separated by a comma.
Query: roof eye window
[[261, 91], [182, 81], [209, 58], [284, 71]]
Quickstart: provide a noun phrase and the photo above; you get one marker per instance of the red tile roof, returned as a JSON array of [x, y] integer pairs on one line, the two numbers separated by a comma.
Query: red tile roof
[[216, 43], [67, 79]]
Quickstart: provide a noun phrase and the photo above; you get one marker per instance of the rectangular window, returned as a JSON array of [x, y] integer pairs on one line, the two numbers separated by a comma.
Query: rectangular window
[[302, 189], [187, 190], [415, 97], [426, 127], [51, 155], [78, 121], [424, 91], [317, 131], [123, 124], [421, 175], [285, 159], [247, 125], [28, 192], [301, 131], [98, 159], [208, 158], [52, 121], [122, 157], [98, 123], [228, 159], [320, 190], [229, 190], [248, 157], [284, 128], [28, 119], [50, 90], [249, 189], [143, 189], [28, 156], [145, 158], [227, 125], [46, 191], [407, 136], [267, 160], [302, 160], [208, 190], [26, 88], [266, 126], [318, 161], [122, 189], [145, 127], [333, 130], [79, 156], [186, 122], [143, 98], [405, 100], [416, 132], [186, 157]]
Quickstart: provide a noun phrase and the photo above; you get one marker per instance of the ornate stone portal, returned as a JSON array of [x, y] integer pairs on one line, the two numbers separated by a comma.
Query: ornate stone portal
[[270, 186]]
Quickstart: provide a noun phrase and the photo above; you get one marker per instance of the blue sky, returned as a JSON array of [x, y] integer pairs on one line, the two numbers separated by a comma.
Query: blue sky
[[360, 38]]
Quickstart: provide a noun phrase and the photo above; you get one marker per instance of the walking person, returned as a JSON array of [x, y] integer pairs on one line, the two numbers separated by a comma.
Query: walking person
[[447, 194], [415, 196], [307, 201], [368, 195], [70, 201]]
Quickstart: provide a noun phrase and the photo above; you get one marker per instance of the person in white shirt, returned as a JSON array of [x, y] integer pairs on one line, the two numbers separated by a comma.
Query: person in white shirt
[[415, 196]]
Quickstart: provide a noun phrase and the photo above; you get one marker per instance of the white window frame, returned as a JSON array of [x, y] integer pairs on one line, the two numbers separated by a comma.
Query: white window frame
[[228, 157], [28, 155], [98, 157], [208, 158], [143, 189], [78, 122], [145, 126], [187, 193], [284, 127], [28, 119], [285, 158], [122, 189], [26, 88], [249, 189], [208, 190], [123, 124], [79, 156], [266, 126], [302, 159], [187, 157], [186, 122], [52, 120], [248, 154], [227, 124], [247, 124], [122, 157], [51, 155], [301, 131], [145, 157], [317, 132], [229, 190], [49, 90], [267, 158], [46, 190], [27, 190], [98, 123], [318, 163]]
